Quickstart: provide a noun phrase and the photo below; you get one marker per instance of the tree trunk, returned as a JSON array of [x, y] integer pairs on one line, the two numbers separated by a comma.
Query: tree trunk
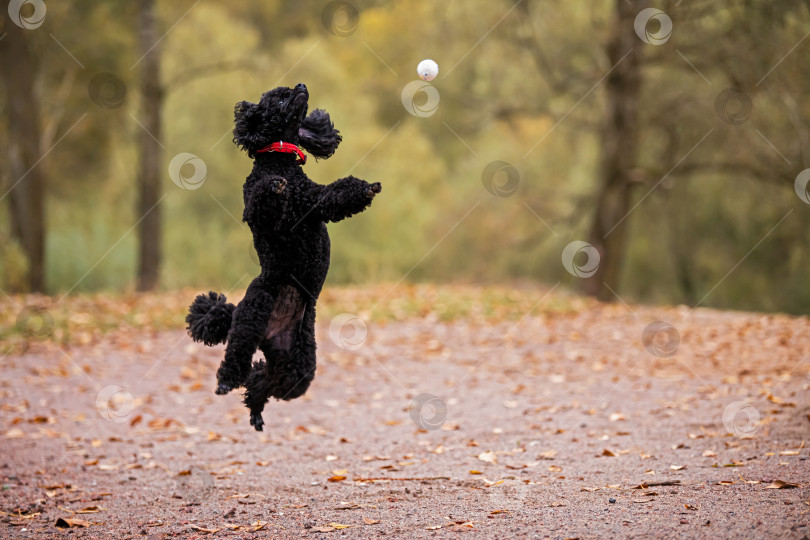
[[619, 149], [149, 184], [26, 189]]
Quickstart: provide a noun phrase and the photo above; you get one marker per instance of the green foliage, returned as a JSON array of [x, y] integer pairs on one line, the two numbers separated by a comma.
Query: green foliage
[[13, 266], [692, 237]]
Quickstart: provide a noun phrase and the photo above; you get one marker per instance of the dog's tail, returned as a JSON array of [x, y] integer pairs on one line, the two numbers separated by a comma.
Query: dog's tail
[[209, 318]]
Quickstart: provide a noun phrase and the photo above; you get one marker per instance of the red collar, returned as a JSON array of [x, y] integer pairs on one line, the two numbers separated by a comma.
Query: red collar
[[286, 148]]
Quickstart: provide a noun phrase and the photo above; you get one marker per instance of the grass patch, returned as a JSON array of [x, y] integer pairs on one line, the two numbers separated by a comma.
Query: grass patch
[[28, 321]]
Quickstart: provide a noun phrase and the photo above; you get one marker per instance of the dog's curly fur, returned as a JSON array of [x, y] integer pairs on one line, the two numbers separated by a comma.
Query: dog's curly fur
[[287, 214]]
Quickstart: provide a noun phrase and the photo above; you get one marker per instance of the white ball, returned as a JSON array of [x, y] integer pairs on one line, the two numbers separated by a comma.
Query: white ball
[[427, 70]]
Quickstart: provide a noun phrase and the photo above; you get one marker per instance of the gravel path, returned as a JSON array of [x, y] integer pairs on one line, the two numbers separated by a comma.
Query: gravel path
[[560, 426]]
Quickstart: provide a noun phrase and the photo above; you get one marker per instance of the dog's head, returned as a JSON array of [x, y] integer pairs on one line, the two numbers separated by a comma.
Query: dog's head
[[281, 116]]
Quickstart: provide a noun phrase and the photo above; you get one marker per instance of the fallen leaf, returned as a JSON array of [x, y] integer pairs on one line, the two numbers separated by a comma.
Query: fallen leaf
[[646, 485], [90, 510], [260, 525], [336, 478], [607, 452], [340, 525], [690, 507], [709, 453], [677, 467], [488, 457], [203, 529], [245, 496], [554, 468], [375, 458], [780, 484], [369, 521], [617, 416], [66, 523], [476, 472]]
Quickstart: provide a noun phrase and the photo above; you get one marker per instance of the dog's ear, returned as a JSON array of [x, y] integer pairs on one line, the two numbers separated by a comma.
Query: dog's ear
[[248, 121], [318, 135]]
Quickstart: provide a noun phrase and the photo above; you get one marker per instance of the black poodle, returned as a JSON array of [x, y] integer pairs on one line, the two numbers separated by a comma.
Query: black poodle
[[286, 212]]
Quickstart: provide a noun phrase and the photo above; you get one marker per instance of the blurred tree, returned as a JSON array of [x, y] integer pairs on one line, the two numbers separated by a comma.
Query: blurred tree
[[619, 149], [706, 192], [724, 138], [26, 193], [150, 230]]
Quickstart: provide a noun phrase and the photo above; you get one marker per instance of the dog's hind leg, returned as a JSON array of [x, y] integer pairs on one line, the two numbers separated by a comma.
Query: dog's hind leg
[[248, 330], [257, 393], [282, 327], [293, 369]]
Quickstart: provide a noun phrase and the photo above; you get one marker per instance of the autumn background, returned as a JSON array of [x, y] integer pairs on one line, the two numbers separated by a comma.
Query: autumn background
[[578, 307], [686, 188]]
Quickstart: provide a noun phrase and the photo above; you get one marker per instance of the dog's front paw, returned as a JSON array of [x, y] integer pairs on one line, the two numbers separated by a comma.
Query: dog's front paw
[[373, 189], [257, 421], [223, 389], [278, 185]]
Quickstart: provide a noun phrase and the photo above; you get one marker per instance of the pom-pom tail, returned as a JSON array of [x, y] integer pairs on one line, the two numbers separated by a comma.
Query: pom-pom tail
[[209, 318]]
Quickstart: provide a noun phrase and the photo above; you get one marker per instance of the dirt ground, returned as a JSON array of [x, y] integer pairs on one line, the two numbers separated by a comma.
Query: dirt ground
[[577, 425]]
